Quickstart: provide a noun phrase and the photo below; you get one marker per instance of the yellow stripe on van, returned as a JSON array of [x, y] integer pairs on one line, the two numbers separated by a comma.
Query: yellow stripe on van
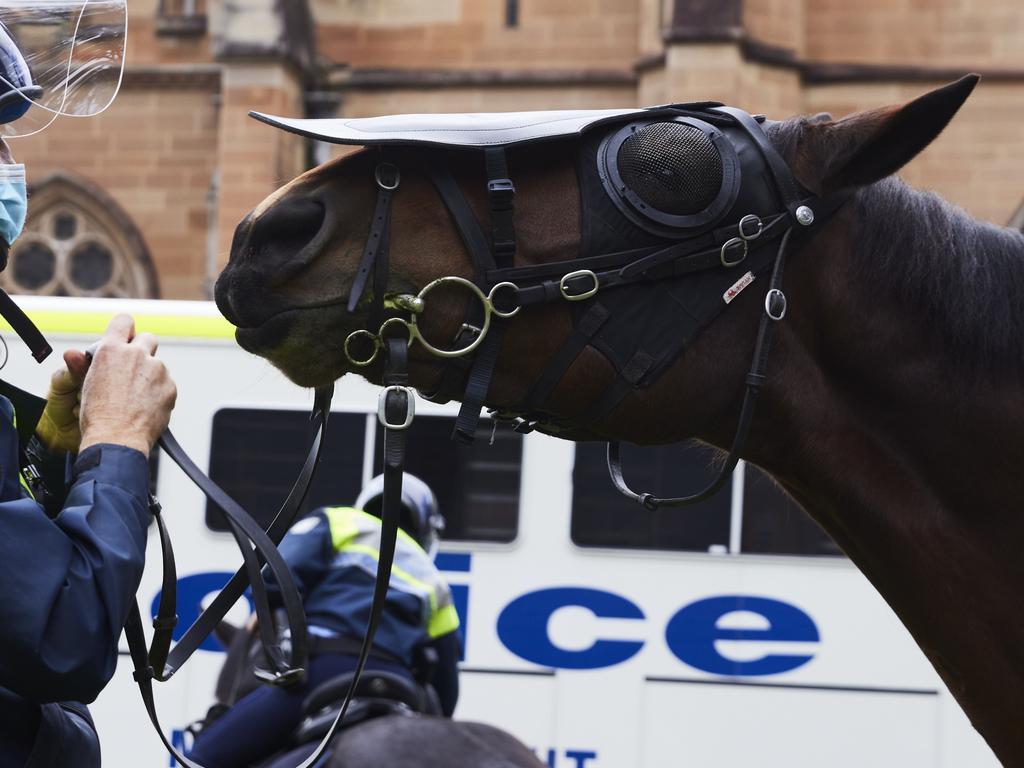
[[95, 323]]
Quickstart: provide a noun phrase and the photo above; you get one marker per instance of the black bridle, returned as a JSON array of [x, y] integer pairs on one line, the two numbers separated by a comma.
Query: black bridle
[[501, 290]]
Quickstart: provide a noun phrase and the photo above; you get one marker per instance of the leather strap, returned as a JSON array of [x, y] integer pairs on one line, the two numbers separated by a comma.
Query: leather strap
[[501, 193], [24, 327], [754, 382], [584, 330], [375, 251]]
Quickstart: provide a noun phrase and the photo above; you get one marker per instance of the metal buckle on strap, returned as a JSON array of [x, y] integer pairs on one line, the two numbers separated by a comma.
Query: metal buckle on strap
[[775, 304], [750, 227], [387, 176], [410, 406], [501, 191], [563, 285], [280, 679], [736, 248]]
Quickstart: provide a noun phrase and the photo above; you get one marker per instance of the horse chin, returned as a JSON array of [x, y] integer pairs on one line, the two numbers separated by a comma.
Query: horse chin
[[305, 345]]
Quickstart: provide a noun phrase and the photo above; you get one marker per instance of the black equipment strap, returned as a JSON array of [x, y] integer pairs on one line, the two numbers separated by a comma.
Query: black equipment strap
[[375, 253], [625, 381], [775, 308], [248, 530], [785, 183], [583, 331], [150, 663], [24, 327], [501, 194], [236, 586], [479, 253]]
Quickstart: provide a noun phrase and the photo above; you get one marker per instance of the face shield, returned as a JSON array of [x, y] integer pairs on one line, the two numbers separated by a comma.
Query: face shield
[[58, 58]]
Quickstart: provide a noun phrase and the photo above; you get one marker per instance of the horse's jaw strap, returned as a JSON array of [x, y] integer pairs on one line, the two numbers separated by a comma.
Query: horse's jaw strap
[[753, 382]]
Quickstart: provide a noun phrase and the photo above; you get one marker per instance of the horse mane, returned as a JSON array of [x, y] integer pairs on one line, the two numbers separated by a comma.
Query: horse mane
[[962, 276]]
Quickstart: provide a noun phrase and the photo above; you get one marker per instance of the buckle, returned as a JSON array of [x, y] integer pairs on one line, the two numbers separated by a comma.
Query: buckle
[[775, 304], [389, 182], [563, 285], [750, 227], [281, 679], [733, 252], [410, 406], [501, 191]]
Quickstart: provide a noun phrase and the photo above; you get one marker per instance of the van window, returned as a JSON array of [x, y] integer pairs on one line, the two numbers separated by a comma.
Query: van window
[[477, 486], [602, 517], [255, 455]]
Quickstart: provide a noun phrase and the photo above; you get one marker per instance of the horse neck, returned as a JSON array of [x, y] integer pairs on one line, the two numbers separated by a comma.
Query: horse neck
[[907, 446]]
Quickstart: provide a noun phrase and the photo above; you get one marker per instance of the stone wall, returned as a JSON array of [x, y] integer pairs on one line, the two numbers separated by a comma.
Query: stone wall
[[154, 151], [180, 122]]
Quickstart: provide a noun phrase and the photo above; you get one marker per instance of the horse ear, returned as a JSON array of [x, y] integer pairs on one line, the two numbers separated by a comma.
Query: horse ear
[[868, 146]]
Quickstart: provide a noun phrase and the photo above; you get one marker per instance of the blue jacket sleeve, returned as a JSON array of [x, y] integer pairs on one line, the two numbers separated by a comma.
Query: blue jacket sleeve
[[446, 674], [308, 549], [66, 584]]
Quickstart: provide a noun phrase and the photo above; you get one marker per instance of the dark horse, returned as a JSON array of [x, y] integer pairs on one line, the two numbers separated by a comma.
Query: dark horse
[[894, 405], [384, 740]]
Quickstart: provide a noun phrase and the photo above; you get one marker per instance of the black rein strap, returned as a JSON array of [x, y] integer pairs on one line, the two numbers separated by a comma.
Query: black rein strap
[[257, 547]]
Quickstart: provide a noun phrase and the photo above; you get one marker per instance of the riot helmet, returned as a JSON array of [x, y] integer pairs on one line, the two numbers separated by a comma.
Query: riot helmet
[[419, 516]]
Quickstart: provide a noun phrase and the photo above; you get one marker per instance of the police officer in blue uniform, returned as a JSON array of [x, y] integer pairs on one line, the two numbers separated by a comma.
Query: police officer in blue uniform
[[74, 508], [332, 555]]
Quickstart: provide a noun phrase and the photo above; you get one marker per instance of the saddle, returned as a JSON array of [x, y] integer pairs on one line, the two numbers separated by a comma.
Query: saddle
[[376, 693]]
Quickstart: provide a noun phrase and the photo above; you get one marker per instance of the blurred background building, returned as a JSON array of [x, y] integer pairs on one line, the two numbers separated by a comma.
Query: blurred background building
[[142, 201]]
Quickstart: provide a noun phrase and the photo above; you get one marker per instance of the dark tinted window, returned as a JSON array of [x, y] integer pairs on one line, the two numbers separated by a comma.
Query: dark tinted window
[[602, 517], [775, 524], [477, 486], [255, 455]]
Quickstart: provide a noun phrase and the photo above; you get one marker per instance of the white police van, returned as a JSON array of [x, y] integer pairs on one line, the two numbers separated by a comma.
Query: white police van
[[603, 635]]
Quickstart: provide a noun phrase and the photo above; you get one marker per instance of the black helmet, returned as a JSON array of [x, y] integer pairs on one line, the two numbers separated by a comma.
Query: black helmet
[[419, 517]]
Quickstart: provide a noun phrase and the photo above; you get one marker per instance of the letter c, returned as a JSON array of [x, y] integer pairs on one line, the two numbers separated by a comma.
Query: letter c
[[523, 627]]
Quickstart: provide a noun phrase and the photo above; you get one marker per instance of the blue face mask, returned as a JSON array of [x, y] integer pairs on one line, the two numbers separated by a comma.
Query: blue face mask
[[13, 201]]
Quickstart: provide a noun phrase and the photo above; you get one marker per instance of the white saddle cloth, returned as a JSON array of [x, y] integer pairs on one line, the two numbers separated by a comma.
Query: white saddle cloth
[[483, 129]]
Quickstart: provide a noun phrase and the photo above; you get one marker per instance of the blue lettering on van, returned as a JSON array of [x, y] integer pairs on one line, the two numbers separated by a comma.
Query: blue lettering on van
[[579, 758], [523, 627], [178, 742], [692, 632], [192, 590]]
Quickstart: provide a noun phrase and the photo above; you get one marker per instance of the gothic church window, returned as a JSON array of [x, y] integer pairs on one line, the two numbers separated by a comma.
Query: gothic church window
[[78, 242]]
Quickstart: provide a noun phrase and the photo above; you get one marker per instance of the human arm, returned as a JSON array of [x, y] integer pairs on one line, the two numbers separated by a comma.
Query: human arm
[[445, 679], [68, 582]]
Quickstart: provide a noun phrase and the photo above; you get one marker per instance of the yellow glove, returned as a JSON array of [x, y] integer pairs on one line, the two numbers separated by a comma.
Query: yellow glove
[[58, 427]]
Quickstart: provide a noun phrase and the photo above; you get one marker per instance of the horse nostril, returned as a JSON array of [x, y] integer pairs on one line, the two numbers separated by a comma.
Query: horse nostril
[[282, 237]]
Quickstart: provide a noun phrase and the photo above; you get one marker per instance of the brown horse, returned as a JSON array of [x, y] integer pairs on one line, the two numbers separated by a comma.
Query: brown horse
[[894, 406]]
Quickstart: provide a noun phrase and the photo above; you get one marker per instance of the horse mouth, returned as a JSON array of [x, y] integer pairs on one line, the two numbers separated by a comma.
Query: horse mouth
[[304, 342]]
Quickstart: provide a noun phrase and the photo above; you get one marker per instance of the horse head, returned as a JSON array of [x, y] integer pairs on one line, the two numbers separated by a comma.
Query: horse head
[[295, 257], [892, 406]]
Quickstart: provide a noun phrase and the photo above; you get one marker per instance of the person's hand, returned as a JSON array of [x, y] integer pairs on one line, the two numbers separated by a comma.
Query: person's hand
[[58, 427], [128, 395]]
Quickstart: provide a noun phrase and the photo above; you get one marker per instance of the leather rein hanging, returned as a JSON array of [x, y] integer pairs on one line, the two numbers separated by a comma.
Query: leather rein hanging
[[159, 661]]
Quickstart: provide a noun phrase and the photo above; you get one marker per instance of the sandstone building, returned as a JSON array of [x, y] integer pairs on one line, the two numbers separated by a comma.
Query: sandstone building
[[142, 200]]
